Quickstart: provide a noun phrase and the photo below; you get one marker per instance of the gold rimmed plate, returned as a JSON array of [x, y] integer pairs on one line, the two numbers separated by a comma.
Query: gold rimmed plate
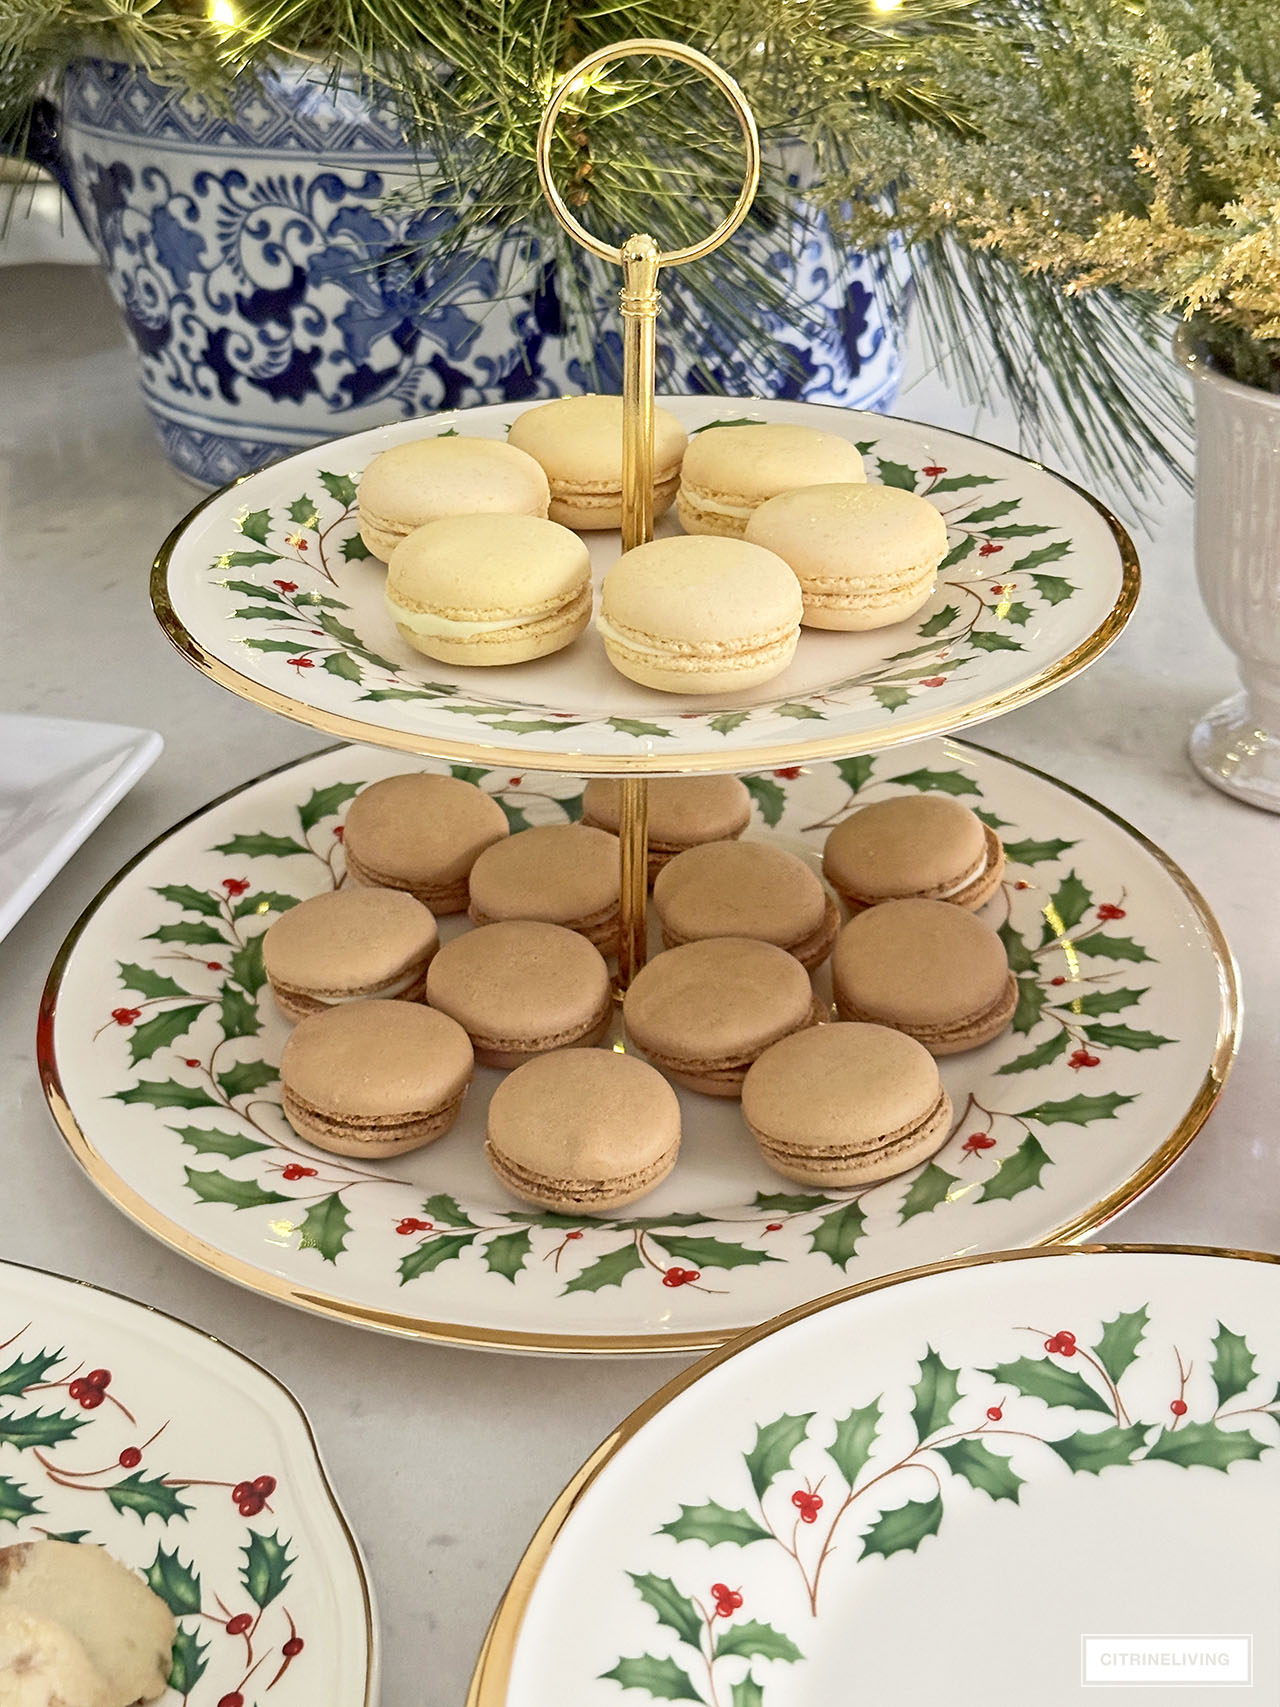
[[267, 588], [159, 1048]]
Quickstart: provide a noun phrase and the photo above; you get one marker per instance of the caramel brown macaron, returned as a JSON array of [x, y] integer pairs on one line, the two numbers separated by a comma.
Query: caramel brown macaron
[[684, 812], [347, 946], [422, 833], [522, 988], [846, 1105], [704, 1012], [748, 889], [375, 1078], [926, 968], [588, 1131], [925, 846], [563, 874]]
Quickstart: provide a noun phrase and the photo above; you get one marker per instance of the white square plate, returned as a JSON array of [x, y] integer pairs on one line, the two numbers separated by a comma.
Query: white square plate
[[58, 781]]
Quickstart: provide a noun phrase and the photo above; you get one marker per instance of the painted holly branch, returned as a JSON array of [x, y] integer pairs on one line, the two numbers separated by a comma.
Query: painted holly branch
[[952, 1431], [128, 1487]]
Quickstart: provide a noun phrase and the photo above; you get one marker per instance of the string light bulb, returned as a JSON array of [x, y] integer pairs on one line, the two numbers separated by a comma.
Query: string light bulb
[[223, 14]]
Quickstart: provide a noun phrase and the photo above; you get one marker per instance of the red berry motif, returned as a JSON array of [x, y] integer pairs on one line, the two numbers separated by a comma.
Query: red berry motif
[[727, 1600], [411, 1224], [774, 1227], [681, 1276], [296, 1171], [301, 663], [130, 1458], [978, 1141], [239, 1624], [514, 781], [807, 1504], [1063, 1343], [933, 681], [994, 1413], [1022, 884], [235, 885], [989, 549], [213, 966], [576, 1234], [125, 1016], [1179, 1407], [286, 586], [264, 1485], [90, 1390], [293, 1647], [191, 1061], [933, 470], [338, 833], [99, 1378], [1107, 911], [1082, 1058], [235, 1699], [1058, 982], [789, 773]]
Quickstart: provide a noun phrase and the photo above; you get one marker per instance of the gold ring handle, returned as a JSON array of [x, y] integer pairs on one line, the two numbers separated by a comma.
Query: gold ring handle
[[699, 62]]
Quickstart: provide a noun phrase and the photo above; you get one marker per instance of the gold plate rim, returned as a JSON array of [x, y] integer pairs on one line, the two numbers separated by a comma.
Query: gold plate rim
[[269, 1285], [372, 1661], [492, 1671], [655, 764]]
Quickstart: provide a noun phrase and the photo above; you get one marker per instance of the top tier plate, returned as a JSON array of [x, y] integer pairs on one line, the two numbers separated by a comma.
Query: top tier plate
[[267, 588]]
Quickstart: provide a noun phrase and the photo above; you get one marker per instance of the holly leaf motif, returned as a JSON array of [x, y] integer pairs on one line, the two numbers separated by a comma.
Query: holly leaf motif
[[1125, 1037], [1037, 1378], [1233, 1365], [1077, 1110], [1040, 1056], [1032, 1000], [290, 646], [195, 933], [1105, 1001], [250, 560], [902, 1530], [1032, 852], [728, 721], [247, 1076], [177, 1585], [1118, 1347], [1017, 613], [962, 482], [166, 1093], [507, 1254], [207, 1141], [15, 1502], [770, 797], [325, 1227], [1043, 554], [516, 816], [663, 1679], [247, 966], [255, 525], [855, 773], [260, 901], [266, 1568], [836, 1235], [39, 1428], [789, 1203], [189, 1661], [928, 1189], [713, 1523], [429, 1256], [962, 548], [354, 549], [191, 900], [673, 1608], [303, 511], [1017, 1173], [1105, 947], [1207, 1444], [624, 726], [891, 696], [147, 1496], [752, 1638], [1019, 956], [1091, 1454], [714, 1253], [1053, 589], [991, 512], [264, 613], [340, 487], [936, 1393], [982, 1468], [897, 474], [775, 1444], [800, 711], [939, 622], [992, 820], [323, 803], [237, 1015], [446, 1211], [148, 983], [609, 1270], [748, 1693], [855, 1434], [991, 640], [1071, 901], [26, 1372], [937, 782], [259, 845], [212, 1186], [341, 665]]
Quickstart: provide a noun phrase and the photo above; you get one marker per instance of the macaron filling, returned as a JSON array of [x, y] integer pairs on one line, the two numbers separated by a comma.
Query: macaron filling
[[437, 625], [729, 1070], [536, 1187], [885, 1149], [948, 1036], [413, 1125]]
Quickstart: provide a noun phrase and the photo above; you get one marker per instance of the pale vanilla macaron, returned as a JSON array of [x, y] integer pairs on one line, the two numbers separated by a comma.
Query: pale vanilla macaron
[[421, 481], [489, 589], [926, 846], [578, 441], [421, 832], [866, 556], [350, 945], [704, 1012], [684, 811], [698, 616], [846, 1105], [583, 1132], [728, 472], [927, 968], [563, 874], [746, 889], [375, 1079], [522, 988]]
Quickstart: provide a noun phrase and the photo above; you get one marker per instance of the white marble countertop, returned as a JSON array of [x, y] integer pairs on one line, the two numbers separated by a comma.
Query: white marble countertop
[[445, 1460]]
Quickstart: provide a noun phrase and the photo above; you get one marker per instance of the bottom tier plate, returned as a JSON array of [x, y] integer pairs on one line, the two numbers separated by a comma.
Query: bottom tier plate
[[159, 1046]]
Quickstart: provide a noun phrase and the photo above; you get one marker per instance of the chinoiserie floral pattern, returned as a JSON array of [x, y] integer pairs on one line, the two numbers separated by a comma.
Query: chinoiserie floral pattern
[[89, 1455], [282, 571], [1052, 1400], [189, 1042]]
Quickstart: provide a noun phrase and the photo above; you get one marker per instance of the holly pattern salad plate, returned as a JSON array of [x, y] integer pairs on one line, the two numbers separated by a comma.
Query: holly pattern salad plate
[[160, 1046], [966, 1484], [268, 588], [122, 1427]]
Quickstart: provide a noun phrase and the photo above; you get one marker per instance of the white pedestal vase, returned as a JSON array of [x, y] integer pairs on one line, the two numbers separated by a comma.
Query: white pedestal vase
[[1236, 744]]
